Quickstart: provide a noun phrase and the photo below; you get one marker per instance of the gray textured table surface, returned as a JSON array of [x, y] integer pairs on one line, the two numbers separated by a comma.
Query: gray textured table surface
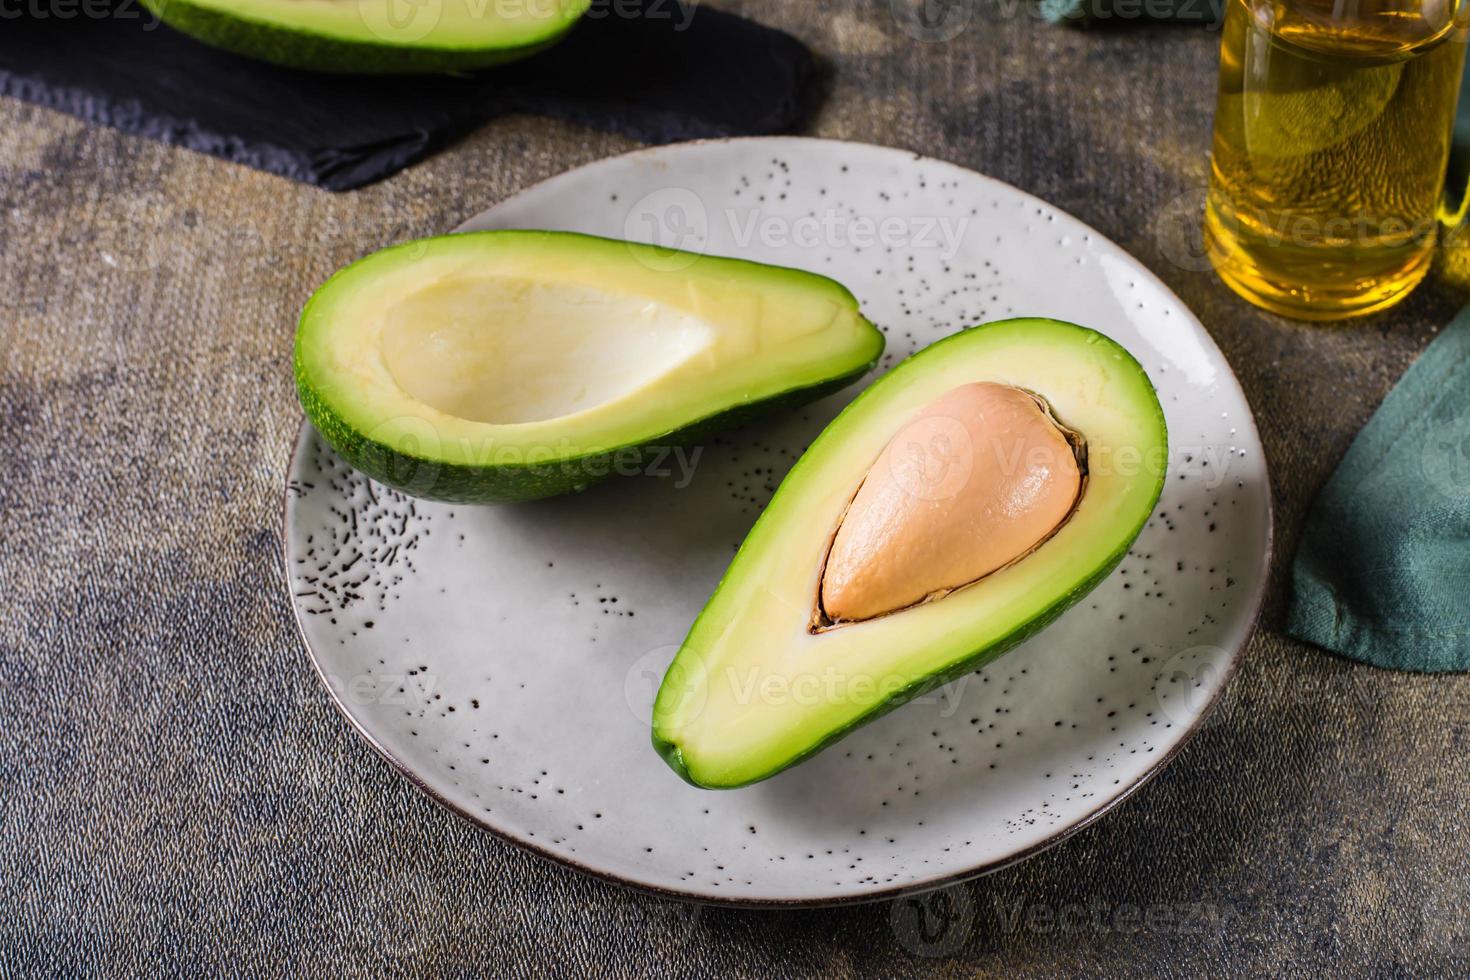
[[175, 789]]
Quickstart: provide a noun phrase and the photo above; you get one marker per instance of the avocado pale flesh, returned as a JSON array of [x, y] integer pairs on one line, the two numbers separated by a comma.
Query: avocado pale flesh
[[759, 684], [374, 36], [510, 365]]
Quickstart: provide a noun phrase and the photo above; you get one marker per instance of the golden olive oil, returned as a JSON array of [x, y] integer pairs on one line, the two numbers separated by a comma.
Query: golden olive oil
[[1332, 132]]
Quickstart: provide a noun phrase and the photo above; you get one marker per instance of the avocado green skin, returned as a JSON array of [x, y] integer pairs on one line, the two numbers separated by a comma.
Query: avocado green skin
[[311, 51], [457, 483], [674, 757], [421, 475], [671, 752]]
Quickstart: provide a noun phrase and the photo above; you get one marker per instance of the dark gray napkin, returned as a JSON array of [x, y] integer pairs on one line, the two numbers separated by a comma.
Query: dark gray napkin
[[654, 70]]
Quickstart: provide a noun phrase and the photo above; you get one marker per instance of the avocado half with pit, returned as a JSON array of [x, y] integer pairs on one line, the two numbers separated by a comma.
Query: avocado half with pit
[[956, 507], [374, 36], [500, 366]]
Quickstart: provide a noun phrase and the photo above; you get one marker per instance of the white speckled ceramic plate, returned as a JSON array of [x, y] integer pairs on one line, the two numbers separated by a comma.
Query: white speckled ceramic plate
[[506, 658]]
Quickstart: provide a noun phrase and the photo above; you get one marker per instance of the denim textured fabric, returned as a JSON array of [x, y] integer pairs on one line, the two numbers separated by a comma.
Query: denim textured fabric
[[177, 796]]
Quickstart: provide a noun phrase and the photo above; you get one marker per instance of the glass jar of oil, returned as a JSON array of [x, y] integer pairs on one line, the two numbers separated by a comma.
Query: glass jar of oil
[[1332, 132]]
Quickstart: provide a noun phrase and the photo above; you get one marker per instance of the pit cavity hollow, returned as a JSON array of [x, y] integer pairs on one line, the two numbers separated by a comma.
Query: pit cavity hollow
[[507, 350]]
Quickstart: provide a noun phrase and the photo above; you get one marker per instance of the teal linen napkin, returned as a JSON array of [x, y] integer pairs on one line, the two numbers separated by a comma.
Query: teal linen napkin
[[1382, 572]]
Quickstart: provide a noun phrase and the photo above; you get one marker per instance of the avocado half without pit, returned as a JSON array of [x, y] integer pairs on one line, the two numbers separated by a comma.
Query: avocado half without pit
[[510, 365], [375, 36], [959, 505]]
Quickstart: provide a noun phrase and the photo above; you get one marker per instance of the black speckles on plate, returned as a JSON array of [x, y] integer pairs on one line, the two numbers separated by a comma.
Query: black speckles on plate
[[539, 633]]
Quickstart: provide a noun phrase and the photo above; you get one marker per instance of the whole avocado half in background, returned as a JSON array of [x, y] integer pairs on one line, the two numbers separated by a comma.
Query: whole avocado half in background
[[761, 684], [374, 36], [501, 366]]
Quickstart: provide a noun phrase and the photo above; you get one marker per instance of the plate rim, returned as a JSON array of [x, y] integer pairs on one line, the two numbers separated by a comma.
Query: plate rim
[[924, 886]]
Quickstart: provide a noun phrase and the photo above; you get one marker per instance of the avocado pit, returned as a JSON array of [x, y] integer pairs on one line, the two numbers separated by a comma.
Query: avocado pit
[[977, 480]]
